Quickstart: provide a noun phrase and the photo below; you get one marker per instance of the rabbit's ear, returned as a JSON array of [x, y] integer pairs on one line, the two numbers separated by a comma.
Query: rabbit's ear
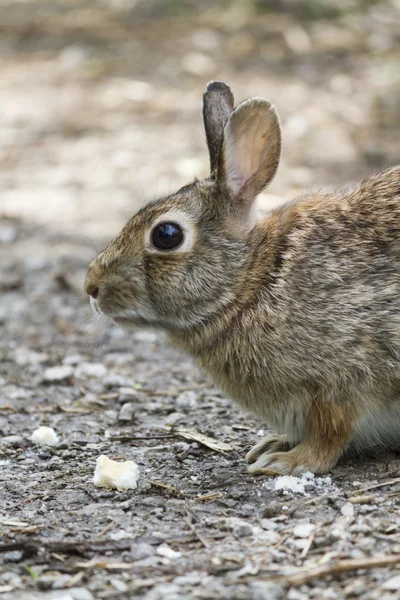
[[251, 148], [217, 106]]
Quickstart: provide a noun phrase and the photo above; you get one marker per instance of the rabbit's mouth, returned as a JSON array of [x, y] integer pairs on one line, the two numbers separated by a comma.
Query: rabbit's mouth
[[95, 306]]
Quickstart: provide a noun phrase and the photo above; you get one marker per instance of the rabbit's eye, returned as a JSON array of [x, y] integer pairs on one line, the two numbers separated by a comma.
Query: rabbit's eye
[[167, 236]]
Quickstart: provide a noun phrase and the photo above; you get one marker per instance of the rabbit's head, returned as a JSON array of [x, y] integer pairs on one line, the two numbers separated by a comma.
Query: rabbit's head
[[177, 261]]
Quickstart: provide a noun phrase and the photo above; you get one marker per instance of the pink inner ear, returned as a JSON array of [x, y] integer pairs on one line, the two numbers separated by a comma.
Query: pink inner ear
[[236, 182], [242, 165], [251, 147]]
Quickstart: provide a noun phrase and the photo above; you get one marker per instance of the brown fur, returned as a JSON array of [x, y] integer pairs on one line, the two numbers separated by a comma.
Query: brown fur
[[296, 315]]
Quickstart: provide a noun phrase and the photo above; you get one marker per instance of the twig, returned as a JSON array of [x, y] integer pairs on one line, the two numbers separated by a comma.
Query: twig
[[342, 566], [280, 542], [196, 533], [374, 486], [106, 528], [77, 578], [308, 545], [210, 496], [188, 520]]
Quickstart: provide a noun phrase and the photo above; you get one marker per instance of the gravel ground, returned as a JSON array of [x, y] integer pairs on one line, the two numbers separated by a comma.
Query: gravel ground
[[100, 113]]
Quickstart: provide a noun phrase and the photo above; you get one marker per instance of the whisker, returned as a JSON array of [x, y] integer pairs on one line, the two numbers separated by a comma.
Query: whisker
[[89, 237]]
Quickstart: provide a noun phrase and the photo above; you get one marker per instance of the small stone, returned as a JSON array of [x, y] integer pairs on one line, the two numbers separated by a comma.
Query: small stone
[[269, 525], [90, 370], [14, 556], [12, 440], [80, 594], [392, 584], [127, 393], [303, 530], [141, 550], [126, 413], [186, 401], [347, 510], [118, 585], [116, 380], [8, 233], [294, 594], [272, 510], [266, 590], [24, 356], [58, 374], [167, 552], [243, 530]]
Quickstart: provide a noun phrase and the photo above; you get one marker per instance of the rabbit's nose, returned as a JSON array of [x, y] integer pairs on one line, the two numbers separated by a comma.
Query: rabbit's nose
[[91, 288]]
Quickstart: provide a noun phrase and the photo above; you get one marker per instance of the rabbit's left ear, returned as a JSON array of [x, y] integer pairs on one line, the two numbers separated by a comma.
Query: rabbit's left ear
[[217, 106], [251, 149]]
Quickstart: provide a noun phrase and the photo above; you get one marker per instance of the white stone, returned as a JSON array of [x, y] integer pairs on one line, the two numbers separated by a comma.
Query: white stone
[[58, 374], [167, 552], [347, 510], [91, 370], [126, 413], [392, 584], [8, 233], [303, 530]]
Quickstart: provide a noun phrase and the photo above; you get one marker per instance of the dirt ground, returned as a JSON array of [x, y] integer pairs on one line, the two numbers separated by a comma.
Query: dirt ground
[[100, 112]]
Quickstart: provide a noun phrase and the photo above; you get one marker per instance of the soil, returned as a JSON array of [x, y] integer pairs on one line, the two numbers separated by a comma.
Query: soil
[[99, 114]]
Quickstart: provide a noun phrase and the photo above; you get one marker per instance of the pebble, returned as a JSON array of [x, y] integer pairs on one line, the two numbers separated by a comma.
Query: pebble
[[116, 380], [303, 530], [118, 585], [90, 370], [24, 356], [141, 550], [266, 590], [127, 393], [58, 374], [347, 510], [12, 440], [392, 584], [165, 551], [8, 234], [272, 510], [243, 530], [186, 401], [13, 556], [127, 412]]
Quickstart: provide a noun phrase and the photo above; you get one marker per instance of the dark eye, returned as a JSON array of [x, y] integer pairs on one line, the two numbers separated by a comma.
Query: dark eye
[[167, 236]]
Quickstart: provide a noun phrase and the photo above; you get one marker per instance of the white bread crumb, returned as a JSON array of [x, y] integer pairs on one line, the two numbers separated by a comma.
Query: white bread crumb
[[115, 475], [45, 436]]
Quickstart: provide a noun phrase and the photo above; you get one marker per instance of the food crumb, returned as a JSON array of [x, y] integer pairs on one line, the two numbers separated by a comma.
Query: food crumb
[[115, 475], [45, 436]]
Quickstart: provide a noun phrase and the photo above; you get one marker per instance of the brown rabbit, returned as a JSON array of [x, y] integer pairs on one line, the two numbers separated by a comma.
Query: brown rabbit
[[296, 315]]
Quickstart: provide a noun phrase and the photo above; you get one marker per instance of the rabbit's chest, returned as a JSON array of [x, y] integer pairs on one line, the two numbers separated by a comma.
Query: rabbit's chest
[[249, 383]]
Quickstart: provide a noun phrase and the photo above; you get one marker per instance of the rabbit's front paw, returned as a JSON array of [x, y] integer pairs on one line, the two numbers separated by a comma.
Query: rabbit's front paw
[[294, 462], [268, 445]]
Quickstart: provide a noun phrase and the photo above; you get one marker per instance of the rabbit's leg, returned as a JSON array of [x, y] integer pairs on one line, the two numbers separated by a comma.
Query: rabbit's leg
[[268, 445], [329, 429]]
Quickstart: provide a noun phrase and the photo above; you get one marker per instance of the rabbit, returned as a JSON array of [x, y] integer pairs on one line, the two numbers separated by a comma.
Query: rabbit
[[294, 314]]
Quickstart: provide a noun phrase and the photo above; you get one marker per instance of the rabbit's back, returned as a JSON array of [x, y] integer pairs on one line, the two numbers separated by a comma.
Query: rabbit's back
[[326, 314]]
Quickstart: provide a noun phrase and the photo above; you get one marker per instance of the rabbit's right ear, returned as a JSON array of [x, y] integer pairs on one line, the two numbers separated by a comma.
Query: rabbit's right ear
[[217, 106], [251, 150]]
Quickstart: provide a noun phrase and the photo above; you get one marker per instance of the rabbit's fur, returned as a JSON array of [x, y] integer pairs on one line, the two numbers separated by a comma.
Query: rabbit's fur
[[296, 315]]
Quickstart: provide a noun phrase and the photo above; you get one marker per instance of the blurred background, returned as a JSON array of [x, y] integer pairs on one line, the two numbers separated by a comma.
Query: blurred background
[[100, 105]]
